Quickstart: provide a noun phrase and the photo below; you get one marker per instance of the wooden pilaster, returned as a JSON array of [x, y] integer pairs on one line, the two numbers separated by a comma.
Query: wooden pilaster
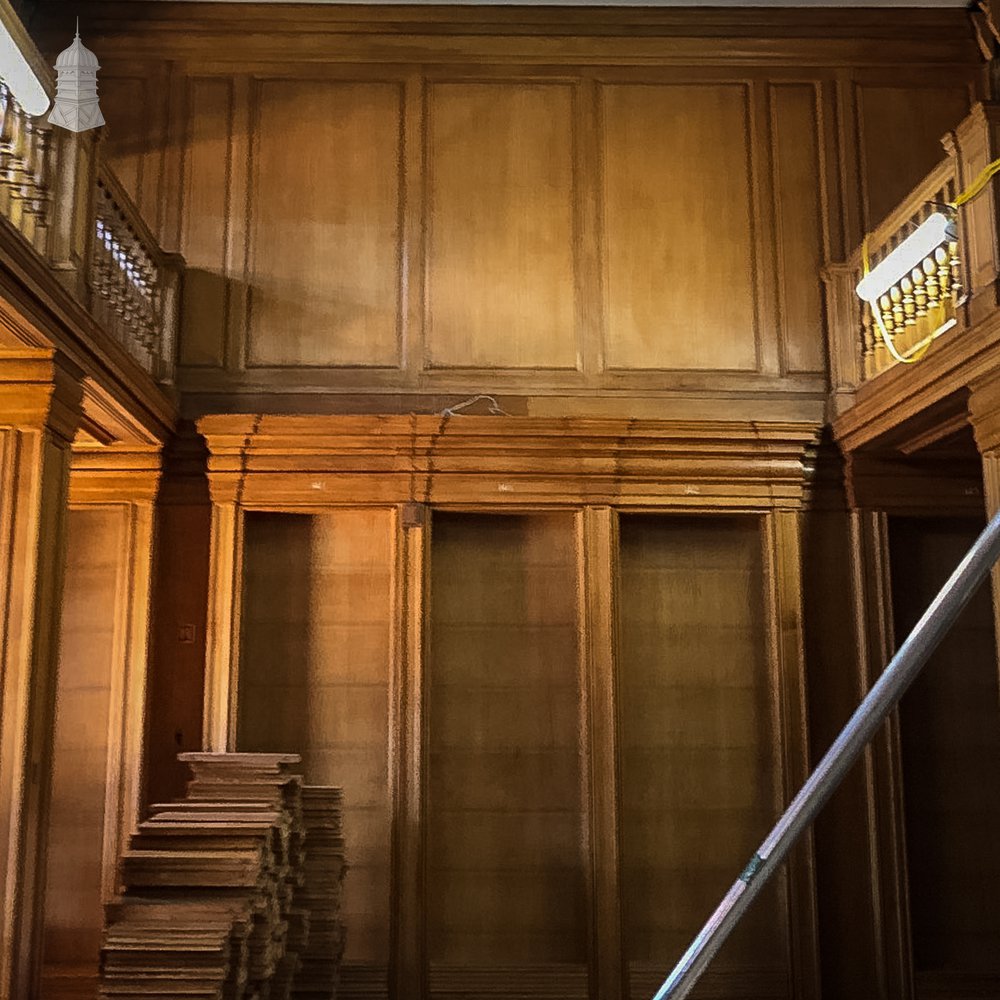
[[40, 409], [124, 479], [599, 547], [408, 958]]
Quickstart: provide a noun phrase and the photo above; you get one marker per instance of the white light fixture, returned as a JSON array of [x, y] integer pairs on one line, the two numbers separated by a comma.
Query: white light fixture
[[907, 256], [15, 71], [76, 106]]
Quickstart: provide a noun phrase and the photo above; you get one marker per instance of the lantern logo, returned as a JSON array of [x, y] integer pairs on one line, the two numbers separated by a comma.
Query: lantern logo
[[76, 106]]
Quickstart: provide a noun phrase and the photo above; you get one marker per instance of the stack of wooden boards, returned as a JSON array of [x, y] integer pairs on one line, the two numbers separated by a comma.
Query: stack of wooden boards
[[232, 893]]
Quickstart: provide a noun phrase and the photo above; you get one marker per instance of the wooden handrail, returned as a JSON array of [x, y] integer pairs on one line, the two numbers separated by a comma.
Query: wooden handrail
[[133, 282], [942, 178]]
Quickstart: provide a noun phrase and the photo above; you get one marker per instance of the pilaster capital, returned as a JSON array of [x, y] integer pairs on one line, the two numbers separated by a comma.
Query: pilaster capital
[[114, 474], [41, 390], [984, 412]]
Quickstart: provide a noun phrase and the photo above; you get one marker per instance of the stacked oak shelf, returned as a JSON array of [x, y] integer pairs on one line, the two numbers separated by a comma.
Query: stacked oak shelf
[[233, 892]]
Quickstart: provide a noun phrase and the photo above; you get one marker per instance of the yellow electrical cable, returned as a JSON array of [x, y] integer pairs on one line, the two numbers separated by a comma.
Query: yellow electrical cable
[[976, 187]]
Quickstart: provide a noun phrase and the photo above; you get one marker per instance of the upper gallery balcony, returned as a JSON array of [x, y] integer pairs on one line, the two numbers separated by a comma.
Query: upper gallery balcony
[[59, 197], [924, 325]]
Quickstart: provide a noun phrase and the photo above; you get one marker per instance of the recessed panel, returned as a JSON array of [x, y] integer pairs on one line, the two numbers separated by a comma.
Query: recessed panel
[[505, 882], [314, 679], [82, 742], [679, 245], [325, 204], [500, 221], [206, 221], [799, 253], [698, 746], [901, 132]]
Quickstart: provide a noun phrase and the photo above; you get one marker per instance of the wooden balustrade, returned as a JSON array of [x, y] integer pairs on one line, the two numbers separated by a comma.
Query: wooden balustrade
[[25, 170], [75, 214], [133, 282], [923, 304], [954, 289]]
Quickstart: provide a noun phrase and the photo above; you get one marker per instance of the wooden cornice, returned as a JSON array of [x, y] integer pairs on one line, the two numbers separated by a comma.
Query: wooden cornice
[[984, 412], [410, 34], [114, 474], [274, 462], [41, 390], [38, 311]]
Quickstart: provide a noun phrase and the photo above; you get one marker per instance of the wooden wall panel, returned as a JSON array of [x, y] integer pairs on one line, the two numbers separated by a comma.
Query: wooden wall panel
[[324, 241], [314, 679], [134, 104], [894, 119], [500, 219], [90, 632], [505, 877], [851, 940], [950, 738], [678, 227], [798, 162], [582, 213], [175, 690], [125, 109], [699, 744], [204, 238]]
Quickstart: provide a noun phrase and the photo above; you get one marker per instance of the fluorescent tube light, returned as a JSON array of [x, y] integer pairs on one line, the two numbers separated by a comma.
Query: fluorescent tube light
[[908, 255], [18, 74]]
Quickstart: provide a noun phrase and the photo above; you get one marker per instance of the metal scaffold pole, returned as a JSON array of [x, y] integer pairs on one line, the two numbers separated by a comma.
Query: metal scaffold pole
[[831, 770]]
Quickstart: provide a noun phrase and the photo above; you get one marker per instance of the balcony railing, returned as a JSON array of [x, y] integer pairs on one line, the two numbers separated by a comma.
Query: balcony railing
[[75, 214], [920, 306], [133, 283], [951, 290]]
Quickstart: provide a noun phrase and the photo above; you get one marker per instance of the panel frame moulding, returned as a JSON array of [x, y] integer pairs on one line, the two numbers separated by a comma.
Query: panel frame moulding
[[124, 478], [592, 468], [121, 480]]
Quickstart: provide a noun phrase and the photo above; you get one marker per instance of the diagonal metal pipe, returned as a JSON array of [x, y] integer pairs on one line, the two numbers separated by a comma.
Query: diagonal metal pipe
[[885, 694]]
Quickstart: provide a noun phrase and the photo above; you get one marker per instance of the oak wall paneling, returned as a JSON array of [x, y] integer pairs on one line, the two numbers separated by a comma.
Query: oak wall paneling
[[225, 572], [679, 217], [324, 237], [887, 124], [801, 209], [209, 112], [483, 547], [97, 758], [177, 645], [783, 562], [506, 889], [501, 280], [874, 613], [599, 576], [77, 882], [316, 679], [407, 974], [698, 796], [950, 744], [847, 876], [41, 405], [98, 737], [469, 201], [135, 100]]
